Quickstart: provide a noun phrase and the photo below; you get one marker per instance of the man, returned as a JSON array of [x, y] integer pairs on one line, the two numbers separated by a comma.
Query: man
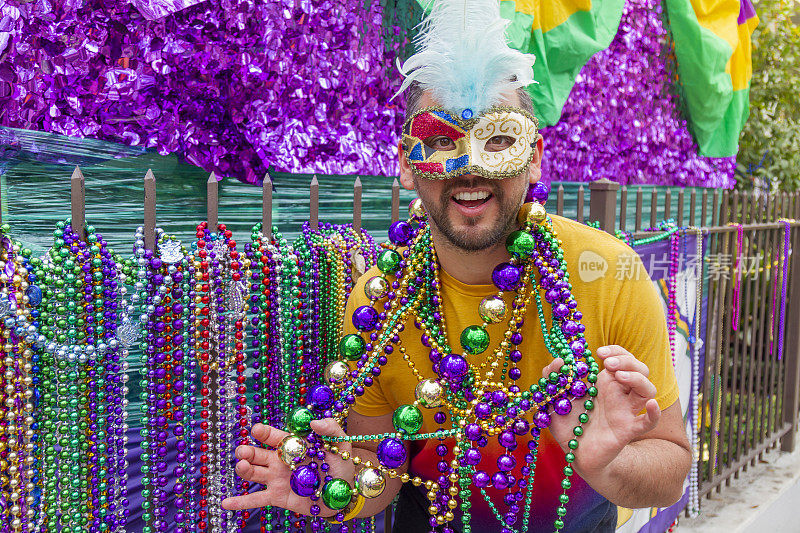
[[633, 450]]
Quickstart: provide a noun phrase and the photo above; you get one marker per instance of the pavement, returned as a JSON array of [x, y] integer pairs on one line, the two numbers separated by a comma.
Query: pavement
[[765, 499]]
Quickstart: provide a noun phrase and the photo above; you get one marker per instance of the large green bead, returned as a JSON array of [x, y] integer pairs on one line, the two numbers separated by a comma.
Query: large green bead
[[352, 347], [299, 421], [388, 261], [474, 339], [408, 419], [520, 244], [336, 494]]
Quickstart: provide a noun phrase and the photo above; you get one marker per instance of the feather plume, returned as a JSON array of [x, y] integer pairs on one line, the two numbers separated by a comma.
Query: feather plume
[[463, 56]]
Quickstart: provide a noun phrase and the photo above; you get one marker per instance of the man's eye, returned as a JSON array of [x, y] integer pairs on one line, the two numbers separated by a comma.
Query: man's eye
[[440, 142], [499, 142]]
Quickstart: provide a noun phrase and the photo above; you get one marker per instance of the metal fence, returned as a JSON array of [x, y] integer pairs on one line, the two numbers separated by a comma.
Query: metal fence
[[750, 393]]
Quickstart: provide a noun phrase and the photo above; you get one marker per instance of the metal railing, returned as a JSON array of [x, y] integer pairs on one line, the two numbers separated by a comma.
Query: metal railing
[[749, 395]]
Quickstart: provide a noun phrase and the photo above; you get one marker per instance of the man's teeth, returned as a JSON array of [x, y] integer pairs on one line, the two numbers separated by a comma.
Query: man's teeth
[[466, 196]]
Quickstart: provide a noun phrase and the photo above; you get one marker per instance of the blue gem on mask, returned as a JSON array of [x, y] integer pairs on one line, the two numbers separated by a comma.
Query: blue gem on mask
[[456, 162], [466, 114], [416, 153]]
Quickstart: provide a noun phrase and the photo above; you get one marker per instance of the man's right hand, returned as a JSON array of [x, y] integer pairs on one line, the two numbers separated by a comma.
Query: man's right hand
[[259, 465]]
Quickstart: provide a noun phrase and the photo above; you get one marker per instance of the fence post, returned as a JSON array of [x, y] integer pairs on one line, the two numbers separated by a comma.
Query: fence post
[[150, 211], [212, 203], [395, 201], [791, 386], [78, 198], [313, 221], [266, 207], [357, 190], [603, 203]]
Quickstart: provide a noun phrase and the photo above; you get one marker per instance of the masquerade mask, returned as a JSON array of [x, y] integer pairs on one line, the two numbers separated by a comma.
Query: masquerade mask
[[497, 144]]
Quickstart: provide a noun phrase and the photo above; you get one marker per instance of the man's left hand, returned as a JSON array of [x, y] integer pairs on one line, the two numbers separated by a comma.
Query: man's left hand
[[624, 391]]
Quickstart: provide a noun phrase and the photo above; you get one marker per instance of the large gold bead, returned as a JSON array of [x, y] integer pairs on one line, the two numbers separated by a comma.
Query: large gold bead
[[429, 393], [415, 208], [336, 372], [533, 212], [370, 483], [376, 288], [492, 309], [290, 448]]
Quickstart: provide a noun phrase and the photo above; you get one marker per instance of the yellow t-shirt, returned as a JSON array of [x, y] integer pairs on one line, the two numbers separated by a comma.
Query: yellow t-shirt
[[619, 303]]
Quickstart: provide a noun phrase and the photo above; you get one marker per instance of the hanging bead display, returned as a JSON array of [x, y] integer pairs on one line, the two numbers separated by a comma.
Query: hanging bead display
[[224, 338]]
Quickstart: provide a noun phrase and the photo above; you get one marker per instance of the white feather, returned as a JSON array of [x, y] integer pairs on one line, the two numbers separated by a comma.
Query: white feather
[[463, 57]]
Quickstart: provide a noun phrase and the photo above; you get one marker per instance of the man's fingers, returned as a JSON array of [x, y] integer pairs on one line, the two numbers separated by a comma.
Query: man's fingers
[[330, 428], [647, 421], [256, 456], [637, 383], [267, 434], [552, 367], [612, 349], [251, 472], [256, 499], [327, 427], [625, 362]]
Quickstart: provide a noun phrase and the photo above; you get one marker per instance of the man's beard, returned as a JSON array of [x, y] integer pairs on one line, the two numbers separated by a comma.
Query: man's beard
[[474, 240]]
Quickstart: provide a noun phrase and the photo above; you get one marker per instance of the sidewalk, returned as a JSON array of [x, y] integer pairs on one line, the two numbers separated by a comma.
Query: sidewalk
[[766, 498]]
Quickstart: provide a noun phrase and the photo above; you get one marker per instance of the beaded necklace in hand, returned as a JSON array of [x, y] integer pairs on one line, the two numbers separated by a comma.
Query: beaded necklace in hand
[[478, 405]]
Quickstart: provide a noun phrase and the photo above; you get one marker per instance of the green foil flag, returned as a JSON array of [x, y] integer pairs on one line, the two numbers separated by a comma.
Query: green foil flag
[[713, 52], [563, 35]]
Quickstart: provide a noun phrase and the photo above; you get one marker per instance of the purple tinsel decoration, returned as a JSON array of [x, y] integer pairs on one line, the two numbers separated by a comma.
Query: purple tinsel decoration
[[240, 86], [234, 86], [621, 120]]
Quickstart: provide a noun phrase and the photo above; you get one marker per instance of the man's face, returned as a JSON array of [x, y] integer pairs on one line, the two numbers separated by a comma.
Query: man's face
[[473, 213]]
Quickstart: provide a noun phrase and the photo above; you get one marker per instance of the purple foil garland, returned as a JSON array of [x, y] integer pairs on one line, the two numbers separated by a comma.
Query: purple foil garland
[[237, 87]]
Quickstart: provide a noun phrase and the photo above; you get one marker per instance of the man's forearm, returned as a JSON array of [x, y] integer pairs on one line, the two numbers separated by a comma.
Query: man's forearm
[[646, 473]]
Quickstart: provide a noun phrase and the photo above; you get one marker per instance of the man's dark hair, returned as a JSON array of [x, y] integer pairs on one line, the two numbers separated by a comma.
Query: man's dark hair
[[414, 94]]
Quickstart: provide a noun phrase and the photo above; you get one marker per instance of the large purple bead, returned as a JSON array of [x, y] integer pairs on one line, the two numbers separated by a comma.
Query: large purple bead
[[507, 277], [400, 233], [481, 479], [500, 481], [581, 368], [321, 397], [562, 406], [570, 327], [505, 463], [454, 366], [483, 410], [578, 347], [578, 389], [472, 431], [507, 439], [365, 318], [304, 481], [537, 192], [541, 419], [560, 310], [472, 457], [391, 453]]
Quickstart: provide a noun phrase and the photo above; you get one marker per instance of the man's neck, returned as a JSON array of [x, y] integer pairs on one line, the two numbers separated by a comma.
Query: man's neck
[[471, 268]]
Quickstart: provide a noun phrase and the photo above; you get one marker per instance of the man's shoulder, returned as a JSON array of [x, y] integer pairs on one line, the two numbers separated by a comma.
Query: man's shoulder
[[578, 238]]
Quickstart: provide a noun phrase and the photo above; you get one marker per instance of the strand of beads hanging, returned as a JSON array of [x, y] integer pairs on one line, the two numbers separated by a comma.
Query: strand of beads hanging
[[463, 389], [20, 297]]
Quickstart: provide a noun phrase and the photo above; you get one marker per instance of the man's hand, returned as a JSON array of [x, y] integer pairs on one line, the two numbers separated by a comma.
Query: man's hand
[[263, 466], [623, 393]]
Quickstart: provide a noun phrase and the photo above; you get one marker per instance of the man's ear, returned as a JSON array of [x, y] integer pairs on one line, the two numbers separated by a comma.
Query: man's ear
[[535, 170], [406, 174]]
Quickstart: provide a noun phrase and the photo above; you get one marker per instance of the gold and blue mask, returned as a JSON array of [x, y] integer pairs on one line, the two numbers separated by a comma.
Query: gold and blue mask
[[500, 143]]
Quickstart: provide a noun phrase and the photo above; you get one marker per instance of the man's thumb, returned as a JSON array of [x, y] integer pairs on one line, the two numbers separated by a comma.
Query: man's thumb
[[327, 427]]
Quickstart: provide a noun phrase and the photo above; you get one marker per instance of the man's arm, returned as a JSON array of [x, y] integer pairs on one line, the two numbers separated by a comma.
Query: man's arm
[[633, 458], [374, 425]]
